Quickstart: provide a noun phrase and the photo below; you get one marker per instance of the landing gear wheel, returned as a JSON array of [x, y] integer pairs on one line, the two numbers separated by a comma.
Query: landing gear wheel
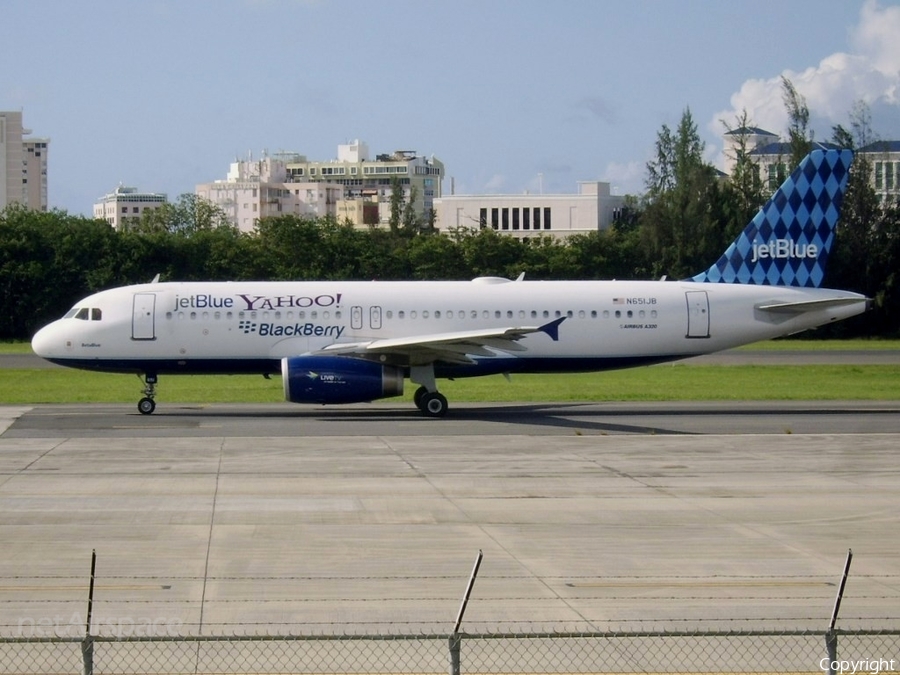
[[434, 404], [417, 397], [146, 406]]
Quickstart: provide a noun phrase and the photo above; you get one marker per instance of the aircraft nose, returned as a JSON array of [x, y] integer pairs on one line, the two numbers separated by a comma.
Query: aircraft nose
[[45, 342]]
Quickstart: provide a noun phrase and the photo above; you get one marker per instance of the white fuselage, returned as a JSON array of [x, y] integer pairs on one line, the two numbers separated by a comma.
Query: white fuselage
[[234, 327]]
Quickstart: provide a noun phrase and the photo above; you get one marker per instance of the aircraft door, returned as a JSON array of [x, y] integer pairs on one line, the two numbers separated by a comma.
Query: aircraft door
[[375, 318], [356, 317], [143, 318], [698, 314]]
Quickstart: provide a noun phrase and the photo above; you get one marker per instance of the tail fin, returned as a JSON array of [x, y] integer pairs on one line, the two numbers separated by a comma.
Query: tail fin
[[788, 242]]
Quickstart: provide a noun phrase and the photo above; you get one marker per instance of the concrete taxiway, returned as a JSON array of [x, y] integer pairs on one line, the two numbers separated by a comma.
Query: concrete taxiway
[[226, 518]]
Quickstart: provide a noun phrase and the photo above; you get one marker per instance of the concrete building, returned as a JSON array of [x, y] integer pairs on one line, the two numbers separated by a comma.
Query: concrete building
[[772, 156], [125, 205], [254, 189], [593, 208], [352, 187], [367, 183], [23, 164], [885, 158]]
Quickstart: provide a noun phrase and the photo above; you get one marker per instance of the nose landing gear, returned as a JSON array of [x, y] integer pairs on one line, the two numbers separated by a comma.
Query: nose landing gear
[[147, 405]]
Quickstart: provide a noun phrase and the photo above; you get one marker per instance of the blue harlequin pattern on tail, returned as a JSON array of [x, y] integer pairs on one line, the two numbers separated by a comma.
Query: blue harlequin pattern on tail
[[788, 242]]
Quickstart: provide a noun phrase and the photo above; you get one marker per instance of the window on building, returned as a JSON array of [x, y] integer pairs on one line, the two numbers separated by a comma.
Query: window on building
[[495, 218], [505, 214], [776, 175], [537, 218], [482, 218], [546, 217], [515, 218], [526, 219]]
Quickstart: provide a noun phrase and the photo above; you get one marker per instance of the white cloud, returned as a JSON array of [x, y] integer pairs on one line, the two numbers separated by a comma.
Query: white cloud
[[625, 179], [871, 73]]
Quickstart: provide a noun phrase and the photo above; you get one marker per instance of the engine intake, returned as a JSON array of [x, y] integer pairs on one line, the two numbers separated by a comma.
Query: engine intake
[[338, 379]]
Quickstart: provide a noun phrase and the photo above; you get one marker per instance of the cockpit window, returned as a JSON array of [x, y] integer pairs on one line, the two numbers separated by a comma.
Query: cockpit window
[[85, 313]]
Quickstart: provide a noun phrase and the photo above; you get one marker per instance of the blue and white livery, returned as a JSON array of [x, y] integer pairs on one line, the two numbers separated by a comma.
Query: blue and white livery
[[352, 341]]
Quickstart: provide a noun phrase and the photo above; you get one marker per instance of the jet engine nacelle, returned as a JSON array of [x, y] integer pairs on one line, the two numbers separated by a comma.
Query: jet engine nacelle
[[338, 379]]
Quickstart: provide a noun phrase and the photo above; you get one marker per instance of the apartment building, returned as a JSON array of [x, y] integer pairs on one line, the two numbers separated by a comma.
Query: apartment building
[[125, 205], [23, 164], [352, 187], [255, 189], [368, 183]]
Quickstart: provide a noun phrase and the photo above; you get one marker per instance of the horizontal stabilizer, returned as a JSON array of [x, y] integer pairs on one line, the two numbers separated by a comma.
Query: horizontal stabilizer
[[808, 305]]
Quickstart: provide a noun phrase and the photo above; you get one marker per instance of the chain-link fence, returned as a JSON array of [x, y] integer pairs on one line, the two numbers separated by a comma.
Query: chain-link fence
[[710, 651]]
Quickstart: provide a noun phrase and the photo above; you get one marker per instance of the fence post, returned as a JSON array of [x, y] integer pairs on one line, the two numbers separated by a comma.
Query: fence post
[[831, 646], [87, 645], [831, 635], [87, 655], [455, 637], [455, 641]]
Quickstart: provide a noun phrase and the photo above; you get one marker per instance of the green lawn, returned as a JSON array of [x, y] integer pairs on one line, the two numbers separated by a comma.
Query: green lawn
[[656, 383]]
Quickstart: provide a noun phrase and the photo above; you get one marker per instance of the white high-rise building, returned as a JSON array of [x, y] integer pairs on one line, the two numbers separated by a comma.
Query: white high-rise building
[[23, 164], [254, 189]]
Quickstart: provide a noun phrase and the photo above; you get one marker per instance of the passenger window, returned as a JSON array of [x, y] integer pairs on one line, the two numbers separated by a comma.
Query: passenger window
[[437, 314], [474, 314], [580, 313], [401, 314], [534, 314], [497, 314], [546, 314]]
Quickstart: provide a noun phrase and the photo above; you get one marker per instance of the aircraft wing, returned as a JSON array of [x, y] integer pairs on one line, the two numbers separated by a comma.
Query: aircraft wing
[[453, 347], [808, 305]]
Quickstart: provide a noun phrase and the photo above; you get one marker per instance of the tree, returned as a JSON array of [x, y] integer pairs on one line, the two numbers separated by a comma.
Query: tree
[[800, 138], [189, 214], [745, 184], [396, 202], [682, 220]]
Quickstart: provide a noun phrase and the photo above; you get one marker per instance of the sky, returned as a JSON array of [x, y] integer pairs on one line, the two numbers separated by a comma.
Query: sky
[[511, 95]]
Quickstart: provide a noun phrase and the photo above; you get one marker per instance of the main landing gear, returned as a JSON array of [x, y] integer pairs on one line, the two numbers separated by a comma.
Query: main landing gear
[[427, 398], [147, 405]]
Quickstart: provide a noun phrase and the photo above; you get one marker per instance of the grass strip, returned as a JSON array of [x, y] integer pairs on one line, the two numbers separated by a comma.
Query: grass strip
[[675, 382]]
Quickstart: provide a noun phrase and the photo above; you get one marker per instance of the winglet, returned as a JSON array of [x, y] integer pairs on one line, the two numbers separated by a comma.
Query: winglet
[[552, 328]]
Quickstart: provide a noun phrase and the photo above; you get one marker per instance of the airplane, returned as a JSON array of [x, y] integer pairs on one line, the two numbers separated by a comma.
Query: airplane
[[357, 341]]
